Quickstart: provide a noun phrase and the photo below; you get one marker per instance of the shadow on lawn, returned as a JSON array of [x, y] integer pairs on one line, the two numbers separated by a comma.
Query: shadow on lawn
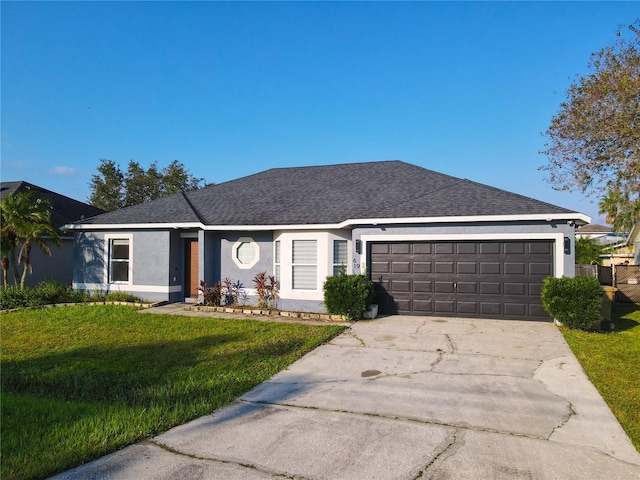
[[622, 313], [163, 372]]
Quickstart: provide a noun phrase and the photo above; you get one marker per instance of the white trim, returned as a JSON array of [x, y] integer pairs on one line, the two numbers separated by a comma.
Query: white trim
[[107, 260], [574, 216], [125, 287], [558, 238], [234, 253]]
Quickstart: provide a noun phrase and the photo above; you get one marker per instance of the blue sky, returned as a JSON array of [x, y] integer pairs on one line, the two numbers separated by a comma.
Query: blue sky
[[233, 88]]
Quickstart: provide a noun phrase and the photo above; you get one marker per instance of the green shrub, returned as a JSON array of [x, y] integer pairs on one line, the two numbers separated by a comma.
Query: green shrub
[[347, 295], [49, 293], [573, 301], [121, 297], [12, 296]]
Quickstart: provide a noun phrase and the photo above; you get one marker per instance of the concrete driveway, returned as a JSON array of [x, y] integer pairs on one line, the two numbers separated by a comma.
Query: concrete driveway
[[403, 398]]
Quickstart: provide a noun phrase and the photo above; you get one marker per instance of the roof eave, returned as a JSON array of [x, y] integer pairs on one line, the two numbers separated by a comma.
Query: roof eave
[[572, 217]]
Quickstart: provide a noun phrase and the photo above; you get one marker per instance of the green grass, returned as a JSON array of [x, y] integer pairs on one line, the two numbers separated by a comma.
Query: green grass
[[83, 381], [612, 363]]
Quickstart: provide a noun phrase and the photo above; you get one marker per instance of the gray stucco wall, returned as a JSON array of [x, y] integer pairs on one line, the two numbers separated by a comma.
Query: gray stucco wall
[[89, 258], [55, 267], [151, 262], [228, 267], [151, 251]]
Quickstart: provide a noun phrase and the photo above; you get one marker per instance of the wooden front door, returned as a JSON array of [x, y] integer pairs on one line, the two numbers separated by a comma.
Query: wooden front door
[[191, 274]]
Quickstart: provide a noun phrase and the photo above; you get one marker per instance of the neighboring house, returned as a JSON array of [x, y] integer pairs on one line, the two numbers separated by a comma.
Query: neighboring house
[[617, 251], [58, 266], [436, 244], [601, 234]]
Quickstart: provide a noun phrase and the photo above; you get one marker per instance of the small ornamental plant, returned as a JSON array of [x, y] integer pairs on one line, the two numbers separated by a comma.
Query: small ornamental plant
[[211, 295], [348, 295], [267, 289], [574, 302]]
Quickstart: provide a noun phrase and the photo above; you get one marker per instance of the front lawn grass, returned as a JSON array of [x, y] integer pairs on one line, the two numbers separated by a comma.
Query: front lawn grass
[[80, 382], [612, 363]]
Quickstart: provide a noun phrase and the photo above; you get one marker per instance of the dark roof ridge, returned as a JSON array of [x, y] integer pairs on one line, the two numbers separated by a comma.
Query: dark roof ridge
[[193, 208]]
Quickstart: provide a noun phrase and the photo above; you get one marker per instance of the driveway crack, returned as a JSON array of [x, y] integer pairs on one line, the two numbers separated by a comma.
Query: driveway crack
[[445, 447], [452, 345], [249, 466]]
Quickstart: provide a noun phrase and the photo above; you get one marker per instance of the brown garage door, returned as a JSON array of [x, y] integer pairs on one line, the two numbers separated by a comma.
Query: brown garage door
[[471, 279]]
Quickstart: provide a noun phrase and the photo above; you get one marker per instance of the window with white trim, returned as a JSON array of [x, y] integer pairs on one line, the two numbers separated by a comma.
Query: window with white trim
[[340, 255], [119, 257], [245, 252], [276, 260], [304, 264]]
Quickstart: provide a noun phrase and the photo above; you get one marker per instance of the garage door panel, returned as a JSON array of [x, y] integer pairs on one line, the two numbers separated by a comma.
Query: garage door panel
[[400, 286], [444, 267], [380, 248], [422, 248], [381, 267], [423, 306], [422, 267], [422, 286], [400, 267], [540, 248], [400, 248], [515, 289], [514, 268], [467, 268], [466, 248], [490, 309], [537, 311], [517, 248], [444, 248], [467, 307], [402, 305], [492, 279], [515, 309], [490, 268], [490, 288], [467, 288], [543, 269], [489, 248], [444, 306], [444, 287]]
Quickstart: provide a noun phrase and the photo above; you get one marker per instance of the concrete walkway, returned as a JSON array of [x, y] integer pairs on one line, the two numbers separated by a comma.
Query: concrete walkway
[[403, 398]]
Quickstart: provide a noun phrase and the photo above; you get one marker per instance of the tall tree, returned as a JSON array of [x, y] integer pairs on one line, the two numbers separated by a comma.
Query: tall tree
[[107, 186], [112, 189], [26, 221], [593, 142]]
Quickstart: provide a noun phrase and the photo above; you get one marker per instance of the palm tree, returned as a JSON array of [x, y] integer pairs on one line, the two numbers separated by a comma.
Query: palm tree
[[26, 221]]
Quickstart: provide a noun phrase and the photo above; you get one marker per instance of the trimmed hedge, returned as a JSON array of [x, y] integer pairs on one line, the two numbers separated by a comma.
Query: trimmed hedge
[[348, 295], [575, 302]]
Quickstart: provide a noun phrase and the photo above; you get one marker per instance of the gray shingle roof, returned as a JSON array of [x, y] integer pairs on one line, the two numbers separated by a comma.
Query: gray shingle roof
[[331, 194]]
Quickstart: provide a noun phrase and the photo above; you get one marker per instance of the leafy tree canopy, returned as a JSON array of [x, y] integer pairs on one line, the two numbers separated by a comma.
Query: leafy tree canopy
[[111, 188], [593, 142], [588, 251]]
